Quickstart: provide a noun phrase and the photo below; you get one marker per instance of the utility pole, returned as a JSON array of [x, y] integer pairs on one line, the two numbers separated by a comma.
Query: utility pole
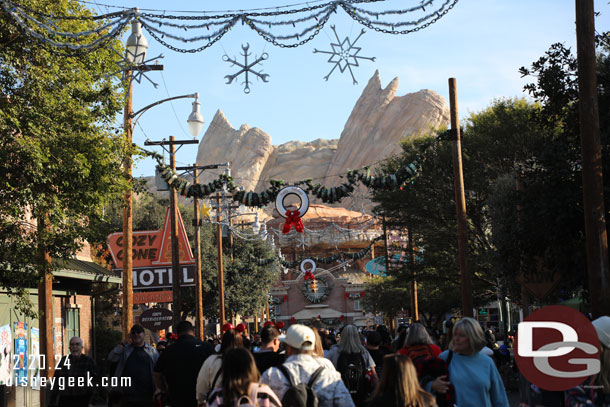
[[221, 284], [200, 327], [128, 115], [173, 201], [176, 272], [199, 324], [592, 180], [127, 316], [385, 241], [460, 200], [414, 302], [525, 305], [45, 304]]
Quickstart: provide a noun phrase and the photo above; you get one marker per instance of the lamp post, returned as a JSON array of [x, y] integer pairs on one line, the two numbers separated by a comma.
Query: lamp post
[[136, 47]]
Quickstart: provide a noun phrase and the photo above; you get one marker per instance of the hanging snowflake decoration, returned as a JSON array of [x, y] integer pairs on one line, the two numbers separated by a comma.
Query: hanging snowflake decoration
[[344, 54], [246, 67]]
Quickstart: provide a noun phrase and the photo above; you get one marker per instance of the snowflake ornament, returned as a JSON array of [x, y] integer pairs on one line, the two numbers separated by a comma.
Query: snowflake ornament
[[344, 54], [246, 67]]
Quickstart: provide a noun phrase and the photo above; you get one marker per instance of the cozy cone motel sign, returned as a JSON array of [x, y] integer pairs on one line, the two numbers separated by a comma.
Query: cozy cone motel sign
[[152, 257]]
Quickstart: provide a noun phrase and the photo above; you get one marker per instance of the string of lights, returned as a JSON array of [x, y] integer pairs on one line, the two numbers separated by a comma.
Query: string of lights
[[323, 260], [303, 24]]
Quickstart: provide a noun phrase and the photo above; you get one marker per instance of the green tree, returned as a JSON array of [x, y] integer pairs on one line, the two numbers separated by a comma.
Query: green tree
[[60, 154], [387, 295], [548, 228], [495, 141]]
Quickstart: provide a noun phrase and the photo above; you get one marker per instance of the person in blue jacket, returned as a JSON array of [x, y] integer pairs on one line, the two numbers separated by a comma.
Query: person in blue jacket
[[474, 375]]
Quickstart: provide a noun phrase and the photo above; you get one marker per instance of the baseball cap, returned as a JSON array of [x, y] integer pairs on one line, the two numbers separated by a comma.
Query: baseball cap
[[300, 337], [602, 326]]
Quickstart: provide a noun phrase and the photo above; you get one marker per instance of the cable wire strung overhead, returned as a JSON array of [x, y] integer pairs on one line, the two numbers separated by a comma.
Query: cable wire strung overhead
[[286, 26]]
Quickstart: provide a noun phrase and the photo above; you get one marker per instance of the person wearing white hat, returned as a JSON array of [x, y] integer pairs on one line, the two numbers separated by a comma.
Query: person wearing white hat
[[595, 390], [301, 365]]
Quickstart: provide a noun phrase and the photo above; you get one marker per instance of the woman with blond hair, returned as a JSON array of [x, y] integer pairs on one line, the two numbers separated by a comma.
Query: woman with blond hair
[[474, 375], [399, 386], [595, 390]]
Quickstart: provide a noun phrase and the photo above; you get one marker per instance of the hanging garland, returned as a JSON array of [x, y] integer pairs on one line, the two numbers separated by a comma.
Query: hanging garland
[[255, 199], [297, 26]]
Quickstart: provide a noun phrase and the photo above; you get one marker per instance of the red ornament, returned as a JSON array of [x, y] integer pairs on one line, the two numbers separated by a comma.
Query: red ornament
[[293, 320], [293, 218], [241, 327], [227, 327], [267, 323], [285, 298], [346, 295], [279, 325]]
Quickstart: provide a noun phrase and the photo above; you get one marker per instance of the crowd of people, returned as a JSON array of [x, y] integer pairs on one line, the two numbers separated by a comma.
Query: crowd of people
[[305, 366]]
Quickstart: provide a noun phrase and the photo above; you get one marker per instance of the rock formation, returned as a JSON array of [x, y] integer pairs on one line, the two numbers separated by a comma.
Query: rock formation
[[378, 122]]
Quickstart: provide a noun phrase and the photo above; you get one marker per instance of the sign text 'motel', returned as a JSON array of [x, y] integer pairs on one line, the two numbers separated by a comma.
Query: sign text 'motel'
[[152, 256], [162, 277]]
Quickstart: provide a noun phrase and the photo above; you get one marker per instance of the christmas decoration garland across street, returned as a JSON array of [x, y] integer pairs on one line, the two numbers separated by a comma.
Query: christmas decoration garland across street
[[323, 260], [254, 199]]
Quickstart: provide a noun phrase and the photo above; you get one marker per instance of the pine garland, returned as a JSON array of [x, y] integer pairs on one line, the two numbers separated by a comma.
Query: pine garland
[[260, 199]]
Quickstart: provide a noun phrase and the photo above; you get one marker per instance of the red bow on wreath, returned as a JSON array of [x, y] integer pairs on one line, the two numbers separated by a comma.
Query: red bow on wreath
[[309, 276], [293, 219]]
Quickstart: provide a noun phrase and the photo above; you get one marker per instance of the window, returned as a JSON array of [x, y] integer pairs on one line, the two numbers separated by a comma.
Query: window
[[72, 324], [357, 306]]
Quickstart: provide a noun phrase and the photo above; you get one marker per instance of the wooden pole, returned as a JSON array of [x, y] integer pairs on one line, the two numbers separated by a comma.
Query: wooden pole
[[45, 306], [414, 302], [460, 200], [173, 201], [199, 323], [230, 232], [385, 241], [127, 317], [525, 305], [593, 192], [221, 284]]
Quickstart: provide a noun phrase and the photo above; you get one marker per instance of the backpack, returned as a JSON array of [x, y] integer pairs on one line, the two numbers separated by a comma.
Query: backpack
[[431, 368], [353, 373], [247, 400], [301, 394]]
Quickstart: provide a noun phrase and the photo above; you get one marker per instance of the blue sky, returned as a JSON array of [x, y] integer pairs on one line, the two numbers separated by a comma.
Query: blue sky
[[482, 43]]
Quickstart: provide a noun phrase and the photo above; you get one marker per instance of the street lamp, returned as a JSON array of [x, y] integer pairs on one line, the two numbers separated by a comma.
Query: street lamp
[[137, 45], [195, 119]]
